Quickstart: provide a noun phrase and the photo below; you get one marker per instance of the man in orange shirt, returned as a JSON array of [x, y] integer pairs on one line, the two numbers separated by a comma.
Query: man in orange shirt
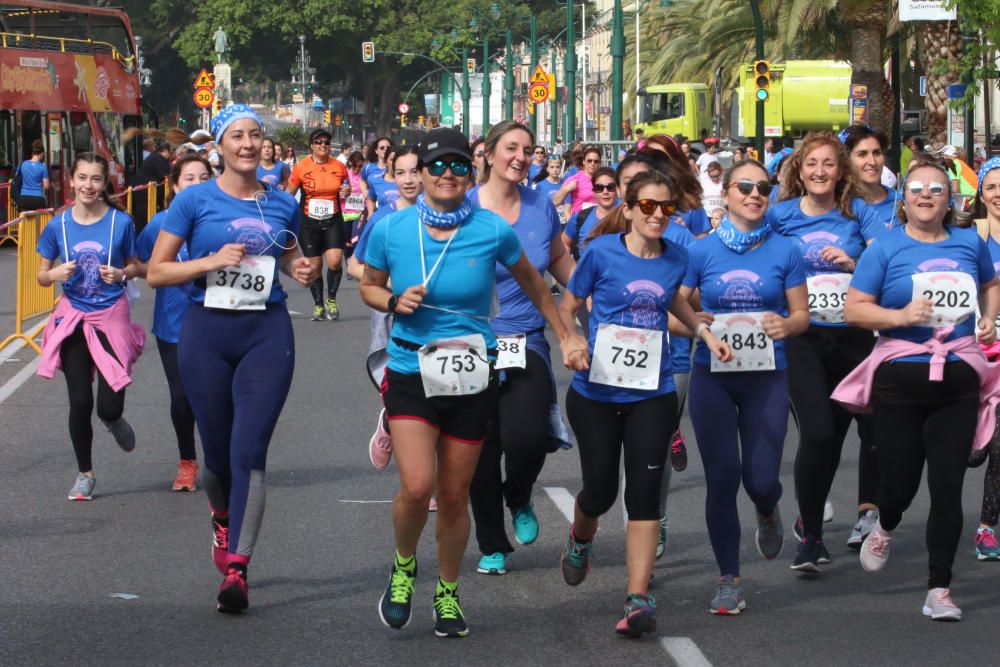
[[324, 233]]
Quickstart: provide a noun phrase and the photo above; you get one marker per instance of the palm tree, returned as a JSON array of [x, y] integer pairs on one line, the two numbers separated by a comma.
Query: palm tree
[[941, 47]]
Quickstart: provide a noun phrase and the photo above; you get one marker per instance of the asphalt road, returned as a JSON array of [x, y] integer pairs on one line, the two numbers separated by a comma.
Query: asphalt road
[[322, 558]]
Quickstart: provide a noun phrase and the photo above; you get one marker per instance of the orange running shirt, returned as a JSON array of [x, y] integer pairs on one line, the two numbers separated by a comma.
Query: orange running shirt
[[318, 181]]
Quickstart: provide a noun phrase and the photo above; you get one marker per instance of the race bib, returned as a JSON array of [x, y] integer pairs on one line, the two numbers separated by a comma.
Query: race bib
[[827, 294], [511, 352], [243, 287], [454, 367], [321, 209], [626, 357], [355, 203], [953, 294], [753, 350]]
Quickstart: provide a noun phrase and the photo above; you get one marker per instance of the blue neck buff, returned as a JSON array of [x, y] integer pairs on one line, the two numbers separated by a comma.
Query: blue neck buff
[[439, 220], [738, 241]]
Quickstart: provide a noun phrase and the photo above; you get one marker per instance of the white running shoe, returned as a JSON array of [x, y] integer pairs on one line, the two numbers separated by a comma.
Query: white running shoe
[[939, 606], [828, 512], [875, 549]]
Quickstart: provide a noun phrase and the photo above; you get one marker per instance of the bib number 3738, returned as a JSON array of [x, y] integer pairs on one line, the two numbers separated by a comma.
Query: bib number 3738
[[753, 350], [627, 357], [952, 294], [243, 287], [454, 366]]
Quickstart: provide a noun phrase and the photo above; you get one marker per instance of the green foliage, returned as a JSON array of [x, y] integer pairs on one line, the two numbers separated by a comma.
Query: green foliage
[[980, 20], [291, 135]]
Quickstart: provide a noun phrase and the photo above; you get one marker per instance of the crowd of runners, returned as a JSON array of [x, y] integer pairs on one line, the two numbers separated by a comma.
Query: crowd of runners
[[678, 283]]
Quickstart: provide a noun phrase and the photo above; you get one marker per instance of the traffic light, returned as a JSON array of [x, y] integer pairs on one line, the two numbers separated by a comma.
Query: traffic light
[[368, 52], [402, 120], [762, 80], [420, 120], [326, 116], [218, 106]]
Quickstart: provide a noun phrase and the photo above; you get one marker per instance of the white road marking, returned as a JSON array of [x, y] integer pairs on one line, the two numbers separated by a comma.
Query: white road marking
[[18, 344], [684, 652], [563, 499], [362, 502], [15, 382]]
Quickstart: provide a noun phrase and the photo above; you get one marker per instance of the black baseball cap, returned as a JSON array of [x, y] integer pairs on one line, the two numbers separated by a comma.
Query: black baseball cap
[[443, 141], [319, 132]]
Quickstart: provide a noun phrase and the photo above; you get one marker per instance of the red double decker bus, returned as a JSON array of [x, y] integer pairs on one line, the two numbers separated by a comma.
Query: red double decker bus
[[68, 76]]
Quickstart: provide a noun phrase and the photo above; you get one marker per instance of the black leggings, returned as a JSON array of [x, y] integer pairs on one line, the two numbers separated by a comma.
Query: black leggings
[[917, 420], [990, 514], [817, 361], [78, 367], [644, 429], [181, 413], [518, 431]]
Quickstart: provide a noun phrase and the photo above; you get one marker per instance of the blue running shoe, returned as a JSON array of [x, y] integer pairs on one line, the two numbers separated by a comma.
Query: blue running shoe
[[525, 523], [493, 564]]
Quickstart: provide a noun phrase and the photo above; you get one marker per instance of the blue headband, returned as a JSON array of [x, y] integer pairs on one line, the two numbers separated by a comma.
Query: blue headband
[[230, 115], [988, 166]]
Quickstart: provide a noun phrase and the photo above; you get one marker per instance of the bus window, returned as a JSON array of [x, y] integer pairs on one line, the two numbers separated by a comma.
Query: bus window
[[31, 129], [8, 147], [702, 102], [666, 106], [80, 129], [111, 128]]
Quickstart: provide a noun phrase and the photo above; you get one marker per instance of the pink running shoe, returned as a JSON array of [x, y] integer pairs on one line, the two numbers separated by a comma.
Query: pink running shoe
[[233, 594], [875, 549], [220, 543], [678, 452], [380, 446]]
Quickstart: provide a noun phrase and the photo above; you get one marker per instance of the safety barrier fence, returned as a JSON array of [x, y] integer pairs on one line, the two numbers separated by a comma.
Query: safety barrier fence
[[33, 300]]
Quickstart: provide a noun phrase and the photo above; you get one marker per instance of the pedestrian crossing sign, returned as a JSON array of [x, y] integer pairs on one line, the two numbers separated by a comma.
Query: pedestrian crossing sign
[[539, 75]]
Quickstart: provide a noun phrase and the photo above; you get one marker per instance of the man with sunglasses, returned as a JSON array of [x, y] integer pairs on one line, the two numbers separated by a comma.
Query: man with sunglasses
[[323, 182]]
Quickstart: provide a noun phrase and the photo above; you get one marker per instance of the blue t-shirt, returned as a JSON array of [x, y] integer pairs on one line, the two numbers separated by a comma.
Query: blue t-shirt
[[877, 218], [369, 171], [697, 221], [751, 282], [381, 191], [171, 302], [886, 271], [537, 227], [632, 292], [32, 174], [535, 170], [275, 176], [994, 249], [208, 218], [577, 231], [88, 246], [680, 346], [547, 188], [464, 280], [366, 232]]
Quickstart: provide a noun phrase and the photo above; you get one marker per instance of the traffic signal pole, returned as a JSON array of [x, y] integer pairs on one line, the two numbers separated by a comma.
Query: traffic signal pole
[[758, 26]]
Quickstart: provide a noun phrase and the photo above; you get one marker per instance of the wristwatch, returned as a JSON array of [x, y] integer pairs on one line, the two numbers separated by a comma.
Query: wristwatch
[[393, 300]]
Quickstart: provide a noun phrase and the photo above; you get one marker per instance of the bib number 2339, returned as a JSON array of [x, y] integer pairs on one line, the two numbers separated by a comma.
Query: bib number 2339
[[627, 357], [243, 287], [952, 293], [454, 366]]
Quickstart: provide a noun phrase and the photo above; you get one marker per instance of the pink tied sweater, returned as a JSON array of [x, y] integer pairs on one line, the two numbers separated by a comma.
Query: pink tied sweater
[[855, 391], [127, 340]]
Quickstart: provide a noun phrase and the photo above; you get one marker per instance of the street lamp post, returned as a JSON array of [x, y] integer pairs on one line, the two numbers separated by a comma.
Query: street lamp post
[[466, 93], [570, 68], [617, 70], [758, 25], [302, 69], [508, 81], [486, 85], [533, 116]]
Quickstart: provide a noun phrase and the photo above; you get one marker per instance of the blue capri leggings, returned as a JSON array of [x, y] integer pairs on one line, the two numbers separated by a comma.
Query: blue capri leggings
[[237, 369], [740, 421]]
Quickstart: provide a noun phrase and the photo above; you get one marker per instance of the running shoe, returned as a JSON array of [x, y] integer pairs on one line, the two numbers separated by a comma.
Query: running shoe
[[770, 534], [661, 539], [449, 621], [940, 607], [797, 528], [678, 452], [380, 445], [864, 525], [555, 291], [220, 543], [394, 607], [233, 594], [332, 311], [525, 523], [432, 506], [986, 545], [728, 600], [807, 558], [875, 549], [493, 564], [83, 488], [639, 616], [824, 555], [319, 314], [187, 474], [827, 512], [123, 434], [575, 560]]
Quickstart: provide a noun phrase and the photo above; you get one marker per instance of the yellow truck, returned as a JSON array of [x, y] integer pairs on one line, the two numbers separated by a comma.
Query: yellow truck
[[675, 108]]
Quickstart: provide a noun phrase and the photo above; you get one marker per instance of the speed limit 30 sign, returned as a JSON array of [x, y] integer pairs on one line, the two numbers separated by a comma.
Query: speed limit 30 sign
[[538, 92], [203, 97]]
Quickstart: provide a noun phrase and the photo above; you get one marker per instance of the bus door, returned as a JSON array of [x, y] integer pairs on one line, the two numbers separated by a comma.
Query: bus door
[[58, 158]]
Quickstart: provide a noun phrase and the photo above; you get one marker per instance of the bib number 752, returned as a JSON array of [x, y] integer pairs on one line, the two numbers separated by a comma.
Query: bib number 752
[[630, 357]]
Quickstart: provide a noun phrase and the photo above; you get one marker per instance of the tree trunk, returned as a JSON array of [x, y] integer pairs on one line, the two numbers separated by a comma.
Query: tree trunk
[[867, 36], [369, 122], [942, 48], [387, 102]]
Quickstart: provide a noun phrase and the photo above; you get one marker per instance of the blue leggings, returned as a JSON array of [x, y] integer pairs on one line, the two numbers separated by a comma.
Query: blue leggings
[[738, 414], [237, 369]]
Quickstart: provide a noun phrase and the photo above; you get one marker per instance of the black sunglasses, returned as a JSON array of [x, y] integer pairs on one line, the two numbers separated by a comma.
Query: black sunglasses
[[647, 206], [605, 187], [320, 142], [746, 186], [458, 167]]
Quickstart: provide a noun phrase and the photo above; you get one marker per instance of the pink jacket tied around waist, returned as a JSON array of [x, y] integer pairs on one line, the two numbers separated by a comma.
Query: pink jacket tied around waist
[[855, 391], [126, 339]]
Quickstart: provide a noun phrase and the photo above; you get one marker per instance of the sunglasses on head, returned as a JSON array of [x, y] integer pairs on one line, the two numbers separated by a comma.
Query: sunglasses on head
[[916, 188], [321, 142], [605, 187], [647, 206], [458, 167], [746, 186]]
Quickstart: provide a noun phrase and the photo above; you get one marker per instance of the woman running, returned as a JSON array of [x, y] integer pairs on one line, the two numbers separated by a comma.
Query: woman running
[[815, 211], [271, 169], [168, 315], [236, 351], [751, 283], [374, 169], [353, 204], [580, 184], [605, 195], [323, 181], [440, 389], [478, 161], [382, 188], [627, 400], [34, 175], [919, 287], [519, 426], [91, 327]]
